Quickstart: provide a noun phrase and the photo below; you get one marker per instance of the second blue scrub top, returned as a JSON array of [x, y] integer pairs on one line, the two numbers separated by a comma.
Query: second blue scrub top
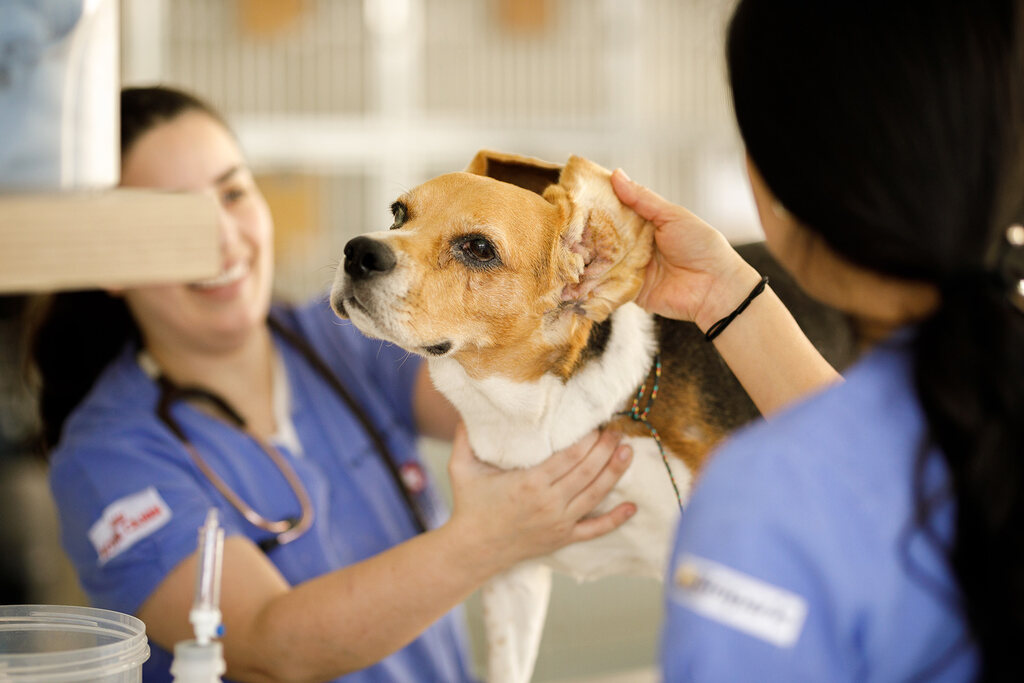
[[131, 501], [798, 558]]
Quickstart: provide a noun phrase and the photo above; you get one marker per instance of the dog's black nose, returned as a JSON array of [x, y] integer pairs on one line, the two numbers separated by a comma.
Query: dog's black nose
[[365, 257]]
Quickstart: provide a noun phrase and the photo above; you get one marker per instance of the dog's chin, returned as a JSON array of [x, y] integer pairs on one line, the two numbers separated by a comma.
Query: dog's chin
[[339, 308], [363, 319], [337, 300], [372, 325], [346, 304]]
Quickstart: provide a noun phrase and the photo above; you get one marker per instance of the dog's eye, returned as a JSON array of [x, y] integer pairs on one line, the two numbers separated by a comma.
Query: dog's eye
[[400, 212], [478, 249]]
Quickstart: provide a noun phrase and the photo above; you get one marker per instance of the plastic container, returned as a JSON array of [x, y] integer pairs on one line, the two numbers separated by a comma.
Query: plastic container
[[59, 84], [59, 644]]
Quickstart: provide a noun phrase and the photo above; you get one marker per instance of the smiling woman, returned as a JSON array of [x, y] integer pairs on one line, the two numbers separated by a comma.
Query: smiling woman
[[162, 402], [223, 310]]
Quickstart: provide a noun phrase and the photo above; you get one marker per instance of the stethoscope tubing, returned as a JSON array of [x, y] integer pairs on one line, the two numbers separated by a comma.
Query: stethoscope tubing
[[288, 529], [321, 367]]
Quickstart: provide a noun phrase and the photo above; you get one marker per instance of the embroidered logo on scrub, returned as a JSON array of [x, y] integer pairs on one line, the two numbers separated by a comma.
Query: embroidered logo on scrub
[[126, 522], [740, 601]]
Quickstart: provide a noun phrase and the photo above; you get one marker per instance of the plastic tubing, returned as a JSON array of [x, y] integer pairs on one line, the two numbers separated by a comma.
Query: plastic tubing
[[205, 615]]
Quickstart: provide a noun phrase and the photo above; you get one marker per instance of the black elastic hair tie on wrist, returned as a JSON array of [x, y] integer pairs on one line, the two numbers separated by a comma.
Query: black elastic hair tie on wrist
[[717, 328]]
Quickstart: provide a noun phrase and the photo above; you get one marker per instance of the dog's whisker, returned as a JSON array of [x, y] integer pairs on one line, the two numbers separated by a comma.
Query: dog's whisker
[[402, 361]]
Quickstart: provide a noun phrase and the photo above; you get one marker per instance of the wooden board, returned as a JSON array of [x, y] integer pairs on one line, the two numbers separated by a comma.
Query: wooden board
[[119, 237]]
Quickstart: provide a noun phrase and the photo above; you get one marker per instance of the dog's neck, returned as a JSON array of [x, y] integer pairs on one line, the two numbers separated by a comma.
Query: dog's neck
[[519, 424]]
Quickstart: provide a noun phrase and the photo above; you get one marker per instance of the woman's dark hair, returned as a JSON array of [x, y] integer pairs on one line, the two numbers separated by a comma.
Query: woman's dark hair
[[142, 109], [895, 131], [76, 334]]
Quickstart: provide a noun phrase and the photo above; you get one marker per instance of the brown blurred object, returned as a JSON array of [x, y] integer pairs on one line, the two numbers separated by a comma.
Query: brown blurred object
[[295, 201], [524, 16], [264, 18]]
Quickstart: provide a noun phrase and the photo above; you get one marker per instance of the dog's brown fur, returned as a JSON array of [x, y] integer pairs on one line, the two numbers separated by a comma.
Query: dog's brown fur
[[703, 402], [571, 254]]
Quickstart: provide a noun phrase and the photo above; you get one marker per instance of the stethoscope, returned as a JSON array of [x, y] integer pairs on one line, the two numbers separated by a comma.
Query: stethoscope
[[285, 530]]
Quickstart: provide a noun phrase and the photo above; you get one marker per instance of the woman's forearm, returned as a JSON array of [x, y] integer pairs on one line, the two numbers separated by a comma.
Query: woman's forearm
[[765, 347], [354, 617]]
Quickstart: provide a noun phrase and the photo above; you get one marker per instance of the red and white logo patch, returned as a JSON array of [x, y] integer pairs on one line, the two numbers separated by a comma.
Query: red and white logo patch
[[413, 476], [127, 521]]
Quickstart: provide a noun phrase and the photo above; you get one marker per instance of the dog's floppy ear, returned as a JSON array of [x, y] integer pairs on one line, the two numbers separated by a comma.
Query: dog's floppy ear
[[528, 173], [605, 245]]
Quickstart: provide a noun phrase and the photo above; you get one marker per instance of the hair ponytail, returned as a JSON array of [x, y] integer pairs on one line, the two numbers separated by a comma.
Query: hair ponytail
[[970, 378]]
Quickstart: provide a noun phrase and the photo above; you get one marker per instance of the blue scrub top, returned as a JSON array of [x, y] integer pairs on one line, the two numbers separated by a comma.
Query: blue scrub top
[[131, 501], [797, 558]]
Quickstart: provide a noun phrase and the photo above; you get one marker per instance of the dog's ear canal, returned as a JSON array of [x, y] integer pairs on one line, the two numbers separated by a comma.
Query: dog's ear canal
[[525, 172], [606, 244], [597, 243]]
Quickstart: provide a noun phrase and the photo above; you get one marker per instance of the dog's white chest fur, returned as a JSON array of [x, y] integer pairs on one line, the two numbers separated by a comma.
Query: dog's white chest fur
[[516, 424], [519, 424], [513, 424]]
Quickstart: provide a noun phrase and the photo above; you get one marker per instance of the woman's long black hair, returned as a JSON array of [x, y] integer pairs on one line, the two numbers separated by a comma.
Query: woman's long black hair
[[893, 129], [76, 334]]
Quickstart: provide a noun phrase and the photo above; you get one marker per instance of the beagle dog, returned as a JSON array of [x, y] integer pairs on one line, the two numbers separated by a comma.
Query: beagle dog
[[515, 280]]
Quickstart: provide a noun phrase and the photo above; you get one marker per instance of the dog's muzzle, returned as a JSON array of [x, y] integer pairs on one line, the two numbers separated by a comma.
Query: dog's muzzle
[[366, 257]]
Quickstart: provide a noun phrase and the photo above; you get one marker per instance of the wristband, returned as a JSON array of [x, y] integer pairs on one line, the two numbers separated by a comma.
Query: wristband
[[717, 328]]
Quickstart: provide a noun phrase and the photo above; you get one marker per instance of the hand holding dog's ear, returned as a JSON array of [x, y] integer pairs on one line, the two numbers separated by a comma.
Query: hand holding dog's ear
[[514, 515], [693, 268]]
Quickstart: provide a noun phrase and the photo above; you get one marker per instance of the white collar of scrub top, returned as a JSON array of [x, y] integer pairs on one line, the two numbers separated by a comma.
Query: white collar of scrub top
[[285, 436]]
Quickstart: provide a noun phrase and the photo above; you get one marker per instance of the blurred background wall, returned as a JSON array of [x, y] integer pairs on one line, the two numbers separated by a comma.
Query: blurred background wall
[[343, 104]]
